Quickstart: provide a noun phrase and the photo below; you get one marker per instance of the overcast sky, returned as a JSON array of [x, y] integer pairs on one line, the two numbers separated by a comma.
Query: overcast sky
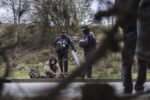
[[6, 15]]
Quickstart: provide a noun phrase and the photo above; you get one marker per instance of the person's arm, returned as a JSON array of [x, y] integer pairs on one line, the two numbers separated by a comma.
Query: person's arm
[[48, 71], [58, 71], [54, 43], [94, 38]]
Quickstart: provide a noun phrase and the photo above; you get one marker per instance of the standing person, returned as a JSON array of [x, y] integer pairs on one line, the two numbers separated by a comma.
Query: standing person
[[128, 52], [51, 69], [62, 44], [88, 43]]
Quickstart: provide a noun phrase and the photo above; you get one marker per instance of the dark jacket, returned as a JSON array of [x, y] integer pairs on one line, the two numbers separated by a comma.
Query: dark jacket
[[91, 44], [129, 21], [66, 42]]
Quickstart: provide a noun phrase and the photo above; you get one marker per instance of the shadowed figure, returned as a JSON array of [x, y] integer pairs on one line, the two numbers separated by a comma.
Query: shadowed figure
[[88, 44], [98, 92], [62, 44], [129, 27]]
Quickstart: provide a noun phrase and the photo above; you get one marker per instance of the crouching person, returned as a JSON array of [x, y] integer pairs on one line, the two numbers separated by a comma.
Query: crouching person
[[51, 69]]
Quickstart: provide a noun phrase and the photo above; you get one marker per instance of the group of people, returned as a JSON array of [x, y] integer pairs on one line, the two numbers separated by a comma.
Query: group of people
[[88, 44], [62, 44], [59, 68]]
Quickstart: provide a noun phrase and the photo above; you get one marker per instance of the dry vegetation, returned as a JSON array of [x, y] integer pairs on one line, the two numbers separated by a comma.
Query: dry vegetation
[[31, 53]]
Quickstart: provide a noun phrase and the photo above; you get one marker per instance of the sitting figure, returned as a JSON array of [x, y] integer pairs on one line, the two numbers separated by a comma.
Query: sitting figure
[[51, 69]]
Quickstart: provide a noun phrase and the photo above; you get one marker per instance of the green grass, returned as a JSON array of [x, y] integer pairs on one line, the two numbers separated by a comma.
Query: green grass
[[1, 72], [20, 74], [97, 74], [101, 74], [108, 68]]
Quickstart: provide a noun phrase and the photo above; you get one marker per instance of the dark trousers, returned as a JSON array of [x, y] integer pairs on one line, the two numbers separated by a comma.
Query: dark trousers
[[128, 54], [88, 70], [142, 69], [63, 61]]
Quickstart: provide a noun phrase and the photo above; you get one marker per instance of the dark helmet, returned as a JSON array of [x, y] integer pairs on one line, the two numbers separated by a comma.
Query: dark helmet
[[63, 33], [83, 42], [52, 61], [85, 28]]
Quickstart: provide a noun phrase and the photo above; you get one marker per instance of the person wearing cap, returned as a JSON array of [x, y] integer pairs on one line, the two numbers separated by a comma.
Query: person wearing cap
[[88, 44], [51, 69], [62, 44]]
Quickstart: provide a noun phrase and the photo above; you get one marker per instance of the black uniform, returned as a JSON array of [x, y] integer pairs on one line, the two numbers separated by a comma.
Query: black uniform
[[88, 44], [128, 52], [62, 44]]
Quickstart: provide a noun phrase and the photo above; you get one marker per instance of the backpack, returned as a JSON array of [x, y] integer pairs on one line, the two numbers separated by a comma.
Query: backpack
[[34, 73], [61, 44]]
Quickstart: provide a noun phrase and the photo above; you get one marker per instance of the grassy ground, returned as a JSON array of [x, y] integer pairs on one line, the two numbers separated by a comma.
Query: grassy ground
[[108, 68], [30, 57]]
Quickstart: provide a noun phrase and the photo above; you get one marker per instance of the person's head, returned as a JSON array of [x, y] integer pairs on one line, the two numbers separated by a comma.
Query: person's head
[[85, 29], [52, 61], [63, 33]]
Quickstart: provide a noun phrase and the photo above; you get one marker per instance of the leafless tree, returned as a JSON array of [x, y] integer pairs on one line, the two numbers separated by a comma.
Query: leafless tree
[[62, 14], [18, 8]]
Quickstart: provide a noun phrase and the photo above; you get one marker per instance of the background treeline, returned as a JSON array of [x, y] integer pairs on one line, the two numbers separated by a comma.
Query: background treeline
[[45, 18], [34, 24]]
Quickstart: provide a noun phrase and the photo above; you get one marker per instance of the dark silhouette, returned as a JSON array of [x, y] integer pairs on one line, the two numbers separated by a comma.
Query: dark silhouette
[[128, 53], [62, 44], [88, 43], [98, 92]]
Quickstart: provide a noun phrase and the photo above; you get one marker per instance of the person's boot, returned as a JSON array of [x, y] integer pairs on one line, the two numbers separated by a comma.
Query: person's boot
[[62, 75], [139, 89], [127, 91], [82, 75]]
